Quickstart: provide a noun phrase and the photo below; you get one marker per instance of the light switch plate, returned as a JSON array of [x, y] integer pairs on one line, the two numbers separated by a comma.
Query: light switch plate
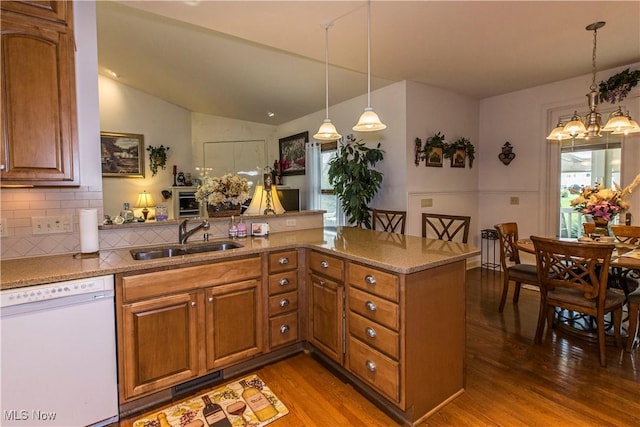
[[515, 200], [52, 224], [426, 203]]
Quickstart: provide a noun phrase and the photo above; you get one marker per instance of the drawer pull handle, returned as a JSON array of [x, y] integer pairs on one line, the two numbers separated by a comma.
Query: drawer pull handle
[[193, 303], [371, 366], [371, 333], [284, 329], [284, 281], [284, 260], [324, 264], [322, 283], [370, 306], [284, 302], [210, 299], [370, 279]]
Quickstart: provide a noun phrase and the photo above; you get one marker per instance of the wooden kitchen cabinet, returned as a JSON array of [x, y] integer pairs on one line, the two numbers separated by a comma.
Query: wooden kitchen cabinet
[[326, 304], [39, 144], [234, 323], [159, 343], [178, 324]]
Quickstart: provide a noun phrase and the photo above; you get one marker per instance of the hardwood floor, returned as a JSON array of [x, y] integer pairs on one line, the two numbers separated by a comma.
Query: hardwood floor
[[510, 381]]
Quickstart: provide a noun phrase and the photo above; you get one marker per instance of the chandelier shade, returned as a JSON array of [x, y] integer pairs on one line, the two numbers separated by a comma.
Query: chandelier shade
[[617, 122], [635, 127], [369, 120], [327, 131]]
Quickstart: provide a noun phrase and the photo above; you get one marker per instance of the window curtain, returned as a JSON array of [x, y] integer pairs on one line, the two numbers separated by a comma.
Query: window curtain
[[313, 165]]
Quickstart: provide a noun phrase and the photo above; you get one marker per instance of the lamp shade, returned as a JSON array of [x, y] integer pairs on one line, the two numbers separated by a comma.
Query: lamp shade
[[557, 134], [575, 126], [635, 128], [617, 122], [369, 122], [262, 202], [327, 132]]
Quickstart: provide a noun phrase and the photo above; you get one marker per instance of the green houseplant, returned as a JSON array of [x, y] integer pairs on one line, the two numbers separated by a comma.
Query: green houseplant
[[157, 158], [354, 180]]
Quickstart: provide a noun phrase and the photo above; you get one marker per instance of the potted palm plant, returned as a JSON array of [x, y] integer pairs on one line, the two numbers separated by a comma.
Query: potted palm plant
[[354, 180]]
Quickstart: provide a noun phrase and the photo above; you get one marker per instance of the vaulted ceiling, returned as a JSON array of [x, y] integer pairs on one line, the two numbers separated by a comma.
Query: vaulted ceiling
[[242, 59]]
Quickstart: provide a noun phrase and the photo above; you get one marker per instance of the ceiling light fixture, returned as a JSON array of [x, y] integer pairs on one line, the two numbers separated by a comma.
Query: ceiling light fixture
[[327, 131], [369, 120], [590, 126]]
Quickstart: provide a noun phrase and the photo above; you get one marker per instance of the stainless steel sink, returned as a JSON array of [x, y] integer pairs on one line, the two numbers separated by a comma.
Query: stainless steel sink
[[177, 250]]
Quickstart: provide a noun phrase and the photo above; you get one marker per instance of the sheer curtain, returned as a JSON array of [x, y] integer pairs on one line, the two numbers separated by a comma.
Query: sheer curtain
[[313, 165]]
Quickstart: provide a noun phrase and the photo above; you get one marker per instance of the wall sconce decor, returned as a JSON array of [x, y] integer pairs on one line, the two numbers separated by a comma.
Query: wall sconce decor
[[435, 150], [507, 154]]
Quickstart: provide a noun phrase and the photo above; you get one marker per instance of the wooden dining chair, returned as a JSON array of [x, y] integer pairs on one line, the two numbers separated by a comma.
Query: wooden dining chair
[[512, 269], [387, 220], [633, 301], [446, 227], [629, 234], [588, 227], [573, 276]]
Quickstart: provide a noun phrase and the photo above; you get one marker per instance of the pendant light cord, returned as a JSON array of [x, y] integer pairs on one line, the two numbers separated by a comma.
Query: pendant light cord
[[369, 55], [326, 69]]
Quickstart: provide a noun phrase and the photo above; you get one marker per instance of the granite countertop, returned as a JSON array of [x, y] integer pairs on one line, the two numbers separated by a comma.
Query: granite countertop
[[394, 252]]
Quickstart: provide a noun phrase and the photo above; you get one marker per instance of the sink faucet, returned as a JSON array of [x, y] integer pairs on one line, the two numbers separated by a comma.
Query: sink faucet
[[183, 234]]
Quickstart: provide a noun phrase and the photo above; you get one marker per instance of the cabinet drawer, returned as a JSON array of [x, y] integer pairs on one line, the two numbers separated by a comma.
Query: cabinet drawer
[[374, 281], [374, 368], [383, 339], [374, 308], [165, 282], [283, 329], [283, 261], [283, 282], [283, 303], [326, 264]]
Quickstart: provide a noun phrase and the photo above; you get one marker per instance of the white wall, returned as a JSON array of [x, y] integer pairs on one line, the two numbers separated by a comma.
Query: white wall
[[524, 118], [127, 110]]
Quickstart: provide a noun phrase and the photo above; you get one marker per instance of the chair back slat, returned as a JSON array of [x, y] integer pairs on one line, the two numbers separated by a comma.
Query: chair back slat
[[629, 234], [580, 266], [389, 220], [446, 227]]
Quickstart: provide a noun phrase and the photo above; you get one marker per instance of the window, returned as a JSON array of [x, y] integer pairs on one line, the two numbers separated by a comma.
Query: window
[[328, 200], [584, 165]]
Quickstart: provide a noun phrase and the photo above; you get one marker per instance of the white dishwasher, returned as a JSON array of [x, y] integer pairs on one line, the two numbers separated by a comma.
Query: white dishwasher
[[58, 354]]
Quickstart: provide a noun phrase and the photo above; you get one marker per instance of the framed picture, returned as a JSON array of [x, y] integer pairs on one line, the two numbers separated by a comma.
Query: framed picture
[[292, 153], [122, 155], [434, 157], [458, 158]]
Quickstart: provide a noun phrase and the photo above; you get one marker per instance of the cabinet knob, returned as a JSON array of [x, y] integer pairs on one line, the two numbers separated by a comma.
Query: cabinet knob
[[284, 329], [2, 167], [370, 279], [370, 306], [283, 261], [284, 281], [371, 366], [210, 299], [371, 333], [324, 264], [322, 283], [284, 302], [193, 303]]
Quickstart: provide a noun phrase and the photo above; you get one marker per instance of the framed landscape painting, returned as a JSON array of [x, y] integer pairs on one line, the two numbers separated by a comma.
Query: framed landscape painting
[[122, 155], [292, 153]]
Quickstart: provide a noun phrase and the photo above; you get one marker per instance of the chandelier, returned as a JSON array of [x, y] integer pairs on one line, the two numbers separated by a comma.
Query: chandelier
[[591, 125]]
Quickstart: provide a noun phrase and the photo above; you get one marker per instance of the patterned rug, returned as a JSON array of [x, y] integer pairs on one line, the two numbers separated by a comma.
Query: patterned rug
[[247, 402]]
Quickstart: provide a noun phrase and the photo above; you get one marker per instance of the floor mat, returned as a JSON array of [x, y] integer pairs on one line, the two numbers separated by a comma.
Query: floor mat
[[247, 402]]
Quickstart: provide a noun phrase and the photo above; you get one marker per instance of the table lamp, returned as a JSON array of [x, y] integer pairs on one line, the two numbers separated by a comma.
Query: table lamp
[[145, 201], [264, 202]]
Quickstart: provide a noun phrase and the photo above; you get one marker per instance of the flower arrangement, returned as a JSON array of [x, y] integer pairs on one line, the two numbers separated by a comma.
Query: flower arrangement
[[227, 189], [604, 203]]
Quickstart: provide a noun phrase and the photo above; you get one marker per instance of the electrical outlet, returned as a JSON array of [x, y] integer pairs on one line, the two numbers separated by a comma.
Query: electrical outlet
[[515, 200], [426, 203], [4, 232], [52, 224], [290, 223]]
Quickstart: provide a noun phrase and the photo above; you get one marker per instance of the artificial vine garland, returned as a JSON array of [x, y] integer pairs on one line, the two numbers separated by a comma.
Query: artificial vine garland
[[616, 88], [157, 158]]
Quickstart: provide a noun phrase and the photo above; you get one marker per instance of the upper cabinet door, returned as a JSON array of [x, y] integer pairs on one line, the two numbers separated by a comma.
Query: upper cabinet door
[[55, 11], [39, 121]]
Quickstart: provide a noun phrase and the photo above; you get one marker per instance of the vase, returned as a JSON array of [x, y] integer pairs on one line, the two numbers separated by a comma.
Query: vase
[[223, 209], [602, 226]]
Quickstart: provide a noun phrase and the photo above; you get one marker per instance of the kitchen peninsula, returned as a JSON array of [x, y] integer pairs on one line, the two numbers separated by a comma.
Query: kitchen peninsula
[[385, 311]]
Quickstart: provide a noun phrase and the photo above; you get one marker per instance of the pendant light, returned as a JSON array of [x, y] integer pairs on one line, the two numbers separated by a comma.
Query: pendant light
[[327, 131], [369, 120]]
